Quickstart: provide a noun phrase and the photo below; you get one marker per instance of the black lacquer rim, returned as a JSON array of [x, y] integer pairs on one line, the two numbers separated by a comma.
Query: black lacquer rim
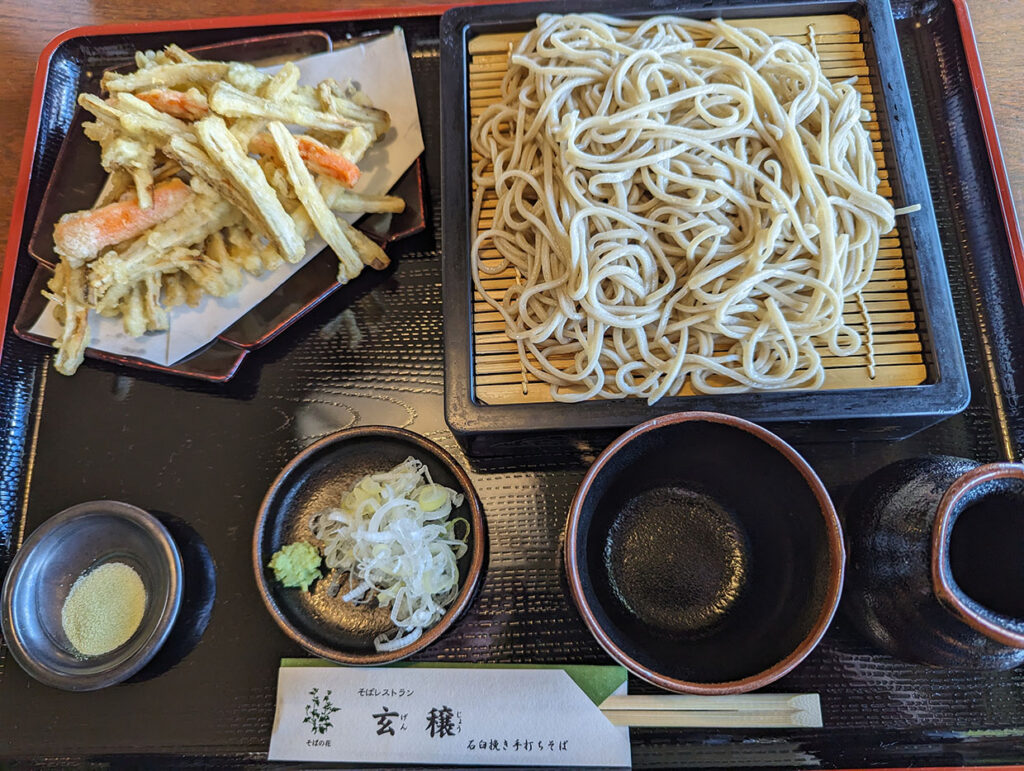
[[837, 558], [469, 582]]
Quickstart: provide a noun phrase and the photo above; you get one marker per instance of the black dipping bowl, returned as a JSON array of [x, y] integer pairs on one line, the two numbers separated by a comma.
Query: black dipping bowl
[[315, 480], [704, 553]]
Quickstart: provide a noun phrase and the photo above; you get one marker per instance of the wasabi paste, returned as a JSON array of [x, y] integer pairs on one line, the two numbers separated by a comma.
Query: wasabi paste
[[296, 565]]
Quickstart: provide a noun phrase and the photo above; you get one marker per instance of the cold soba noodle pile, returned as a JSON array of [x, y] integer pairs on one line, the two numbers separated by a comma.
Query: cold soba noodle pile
[[675, 209]]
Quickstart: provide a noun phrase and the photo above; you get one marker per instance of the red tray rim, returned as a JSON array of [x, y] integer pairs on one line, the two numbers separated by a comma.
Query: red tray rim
[[992, 145]]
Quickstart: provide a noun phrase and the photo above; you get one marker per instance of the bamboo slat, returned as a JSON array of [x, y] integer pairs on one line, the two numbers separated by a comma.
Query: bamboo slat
[[899, 356]]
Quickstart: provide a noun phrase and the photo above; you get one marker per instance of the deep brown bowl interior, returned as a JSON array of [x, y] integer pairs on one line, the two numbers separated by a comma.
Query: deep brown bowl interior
[[704, 554], [317, 479]]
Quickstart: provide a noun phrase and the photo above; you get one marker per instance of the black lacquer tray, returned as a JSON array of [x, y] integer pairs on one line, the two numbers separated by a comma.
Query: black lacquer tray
[[206, 453]]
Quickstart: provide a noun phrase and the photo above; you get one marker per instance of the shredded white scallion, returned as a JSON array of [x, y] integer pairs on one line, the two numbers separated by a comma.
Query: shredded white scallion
[[393, 536]]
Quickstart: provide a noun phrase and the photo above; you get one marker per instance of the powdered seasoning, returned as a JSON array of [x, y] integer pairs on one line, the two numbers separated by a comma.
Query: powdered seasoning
[[104, 608]]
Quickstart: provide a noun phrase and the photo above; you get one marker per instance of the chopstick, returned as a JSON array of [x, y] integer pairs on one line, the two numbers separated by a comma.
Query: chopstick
[[752, 710]]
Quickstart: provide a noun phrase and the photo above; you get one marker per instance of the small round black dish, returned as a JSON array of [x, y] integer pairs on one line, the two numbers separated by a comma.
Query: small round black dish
[[704, 554], [315, 480], [67, 545]]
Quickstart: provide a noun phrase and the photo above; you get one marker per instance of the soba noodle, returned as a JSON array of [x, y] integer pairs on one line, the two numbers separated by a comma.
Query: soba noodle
[[678, 199]]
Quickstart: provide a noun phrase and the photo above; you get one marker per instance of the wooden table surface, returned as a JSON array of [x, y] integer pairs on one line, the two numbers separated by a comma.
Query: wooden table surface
[[27, 25]]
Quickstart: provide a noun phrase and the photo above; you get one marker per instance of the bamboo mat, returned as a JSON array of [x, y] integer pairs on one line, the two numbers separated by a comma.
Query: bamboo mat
[[897, 342]]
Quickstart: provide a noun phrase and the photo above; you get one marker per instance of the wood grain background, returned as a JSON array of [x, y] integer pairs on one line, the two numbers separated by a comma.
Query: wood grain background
[[27, 25]]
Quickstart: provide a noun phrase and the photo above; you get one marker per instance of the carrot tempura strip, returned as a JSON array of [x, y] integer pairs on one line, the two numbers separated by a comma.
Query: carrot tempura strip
[[186, 105], [79, 236], [317, 157]]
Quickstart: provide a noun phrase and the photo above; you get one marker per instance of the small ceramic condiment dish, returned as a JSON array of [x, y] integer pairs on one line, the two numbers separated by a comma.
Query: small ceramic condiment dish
[[43, 572], [704, 553], [315, 480]]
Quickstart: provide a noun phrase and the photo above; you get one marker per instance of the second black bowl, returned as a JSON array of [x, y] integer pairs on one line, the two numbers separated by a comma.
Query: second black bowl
[[704, 553]]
